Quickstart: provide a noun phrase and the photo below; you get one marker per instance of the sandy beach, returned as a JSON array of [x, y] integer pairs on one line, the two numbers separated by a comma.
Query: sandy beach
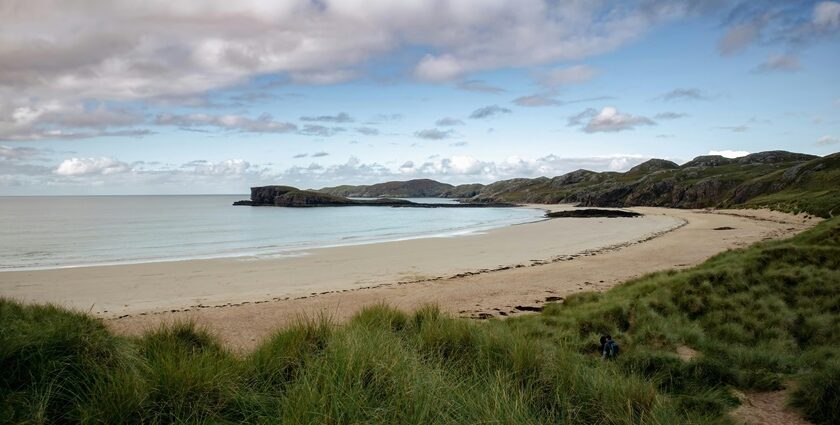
[[498, 273]]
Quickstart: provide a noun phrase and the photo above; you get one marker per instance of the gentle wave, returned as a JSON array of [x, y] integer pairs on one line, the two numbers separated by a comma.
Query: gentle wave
[[60, 232]]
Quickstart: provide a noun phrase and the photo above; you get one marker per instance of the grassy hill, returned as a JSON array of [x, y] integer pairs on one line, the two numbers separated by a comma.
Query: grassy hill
[[781, 180], [759, 317]]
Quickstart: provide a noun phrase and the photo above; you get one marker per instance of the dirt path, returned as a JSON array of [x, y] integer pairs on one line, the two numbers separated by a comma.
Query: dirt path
[[767, 408], [500, 293]]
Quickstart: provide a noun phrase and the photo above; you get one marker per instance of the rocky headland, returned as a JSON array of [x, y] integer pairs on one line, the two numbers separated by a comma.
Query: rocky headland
[[287, 196], [779, 180]]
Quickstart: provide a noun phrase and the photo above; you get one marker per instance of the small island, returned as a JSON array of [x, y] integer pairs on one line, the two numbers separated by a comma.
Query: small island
[[292, 197]]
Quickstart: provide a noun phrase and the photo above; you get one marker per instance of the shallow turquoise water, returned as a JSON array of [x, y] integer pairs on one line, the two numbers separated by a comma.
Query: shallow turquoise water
[[50, 232]]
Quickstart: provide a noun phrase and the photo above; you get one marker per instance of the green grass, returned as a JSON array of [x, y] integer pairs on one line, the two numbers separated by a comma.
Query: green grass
[[760, 317]]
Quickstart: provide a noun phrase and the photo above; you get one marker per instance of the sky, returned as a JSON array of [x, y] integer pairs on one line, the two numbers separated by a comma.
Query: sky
[[214, 96]]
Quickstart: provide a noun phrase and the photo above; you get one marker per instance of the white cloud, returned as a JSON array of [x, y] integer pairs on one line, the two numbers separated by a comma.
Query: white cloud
[[91, 166], [227, 168], [828, 140], [130, 50], [265, 123], [609, 119], [729, 153]]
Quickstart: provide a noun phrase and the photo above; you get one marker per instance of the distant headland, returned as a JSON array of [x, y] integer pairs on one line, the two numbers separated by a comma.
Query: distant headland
[[779, 180], [292, 197]]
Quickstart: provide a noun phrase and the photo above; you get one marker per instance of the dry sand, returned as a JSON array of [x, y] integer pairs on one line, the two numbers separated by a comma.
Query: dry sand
[[479, 275]]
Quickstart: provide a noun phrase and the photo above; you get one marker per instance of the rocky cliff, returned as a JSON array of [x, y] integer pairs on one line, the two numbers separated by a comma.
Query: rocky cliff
[[287, 196]]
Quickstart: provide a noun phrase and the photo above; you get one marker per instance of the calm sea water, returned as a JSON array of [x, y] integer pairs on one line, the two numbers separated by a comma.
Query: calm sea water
[[52, 232]]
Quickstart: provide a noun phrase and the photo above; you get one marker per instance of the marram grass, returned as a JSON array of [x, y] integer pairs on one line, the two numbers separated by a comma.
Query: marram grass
[[760, 318]]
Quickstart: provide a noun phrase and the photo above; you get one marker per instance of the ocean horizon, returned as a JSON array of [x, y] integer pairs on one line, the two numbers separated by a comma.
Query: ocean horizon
[[49, 232]]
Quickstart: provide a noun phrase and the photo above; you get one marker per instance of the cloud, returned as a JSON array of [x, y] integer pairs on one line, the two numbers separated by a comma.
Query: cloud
[[320, 130], [448, 122], [828, 140], [684, 94], [729, 153], [91, 166], [608, 119], [18, 153], [549, 100], [535, 100], [566, 76], [478, 86], [827, 15], [301, 155], [489, 111], [669, 115], [157, 52], [265, 123], [51, 120], [434, 134], [470, 169], [738, 37], [458, 144], [380, 118], [341, 117], [367, 131], [735, 128], [778, 23], [226, 168], [113, 49], [779, 62], [319, 154]]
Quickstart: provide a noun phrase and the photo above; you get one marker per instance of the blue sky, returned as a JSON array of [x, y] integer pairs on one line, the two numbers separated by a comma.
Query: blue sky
[[209, 97]]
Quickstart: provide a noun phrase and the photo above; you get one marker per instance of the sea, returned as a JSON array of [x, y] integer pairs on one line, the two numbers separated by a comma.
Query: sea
[[74, 231]]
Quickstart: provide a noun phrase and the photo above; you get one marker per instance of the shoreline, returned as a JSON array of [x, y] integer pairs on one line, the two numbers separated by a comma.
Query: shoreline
[[243, 301], [293, 251], [119, 290]]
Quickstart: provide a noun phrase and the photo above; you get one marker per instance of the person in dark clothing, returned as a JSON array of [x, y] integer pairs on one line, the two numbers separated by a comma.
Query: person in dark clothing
[[609, 348]]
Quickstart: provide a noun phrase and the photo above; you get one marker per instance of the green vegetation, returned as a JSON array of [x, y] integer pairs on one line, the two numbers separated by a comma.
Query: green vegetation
[[780, 180], [759, 317]]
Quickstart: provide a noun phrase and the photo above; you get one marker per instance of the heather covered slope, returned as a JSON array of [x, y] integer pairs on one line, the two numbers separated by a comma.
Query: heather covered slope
[[756, 318]]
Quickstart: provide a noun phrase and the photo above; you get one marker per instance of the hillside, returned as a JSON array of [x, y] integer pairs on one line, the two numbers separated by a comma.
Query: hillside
[[751, 320], [420, 188], [779, 180], [776, 179]]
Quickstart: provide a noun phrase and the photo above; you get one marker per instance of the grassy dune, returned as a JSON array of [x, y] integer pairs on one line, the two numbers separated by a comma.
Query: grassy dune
[[759, 317]]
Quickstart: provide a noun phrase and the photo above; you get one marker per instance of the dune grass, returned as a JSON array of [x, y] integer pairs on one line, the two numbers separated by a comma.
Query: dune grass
[[759, 317]]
